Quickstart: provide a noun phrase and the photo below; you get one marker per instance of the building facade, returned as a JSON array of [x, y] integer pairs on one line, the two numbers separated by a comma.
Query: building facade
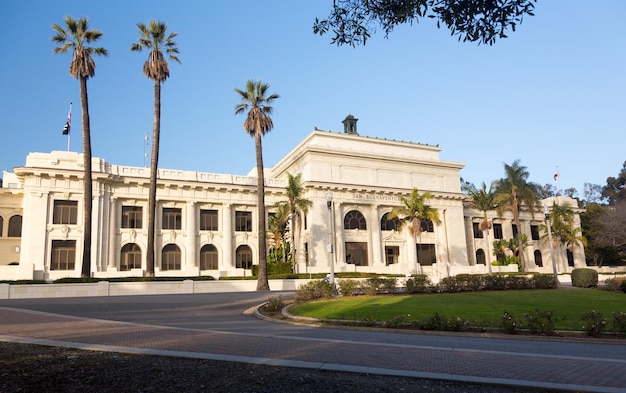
[[206, 222]]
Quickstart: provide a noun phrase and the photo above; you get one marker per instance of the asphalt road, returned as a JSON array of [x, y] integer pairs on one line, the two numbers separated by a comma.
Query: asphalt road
[[217, 326]]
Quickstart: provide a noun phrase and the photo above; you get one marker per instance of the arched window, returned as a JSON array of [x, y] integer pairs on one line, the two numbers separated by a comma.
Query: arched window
[[1, 225], [538, 258], [428, 226], [389, 224], [170, 257], [15, 226], [130, 257], [354, 220], [244, 257], [570, 258], [480, 257], [208, 257]]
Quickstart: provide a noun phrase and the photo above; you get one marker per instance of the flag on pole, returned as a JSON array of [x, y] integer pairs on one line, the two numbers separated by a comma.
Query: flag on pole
[[68, 124], [556, 174]]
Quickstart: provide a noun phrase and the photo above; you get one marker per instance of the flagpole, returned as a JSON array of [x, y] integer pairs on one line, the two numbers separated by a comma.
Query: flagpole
[[68, 127]]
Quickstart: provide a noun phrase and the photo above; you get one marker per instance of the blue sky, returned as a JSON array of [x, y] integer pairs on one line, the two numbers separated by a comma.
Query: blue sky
[[552, 94]]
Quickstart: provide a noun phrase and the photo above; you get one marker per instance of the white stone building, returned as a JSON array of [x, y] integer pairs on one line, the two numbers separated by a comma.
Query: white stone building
[[206, 222]]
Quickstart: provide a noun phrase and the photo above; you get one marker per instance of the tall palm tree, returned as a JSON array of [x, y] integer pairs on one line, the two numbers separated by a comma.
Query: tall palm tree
[[154, 38], [256, 101], [483, 200], [298, 207], [513, 191], [412, 213], [77, 36]]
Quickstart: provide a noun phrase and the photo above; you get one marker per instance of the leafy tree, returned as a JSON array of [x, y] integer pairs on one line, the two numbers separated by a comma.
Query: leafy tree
[[547, 191], [593, 194], [256, 100], [615, 189], [590, 222], [482, 199], [353, 21], [413, 211], [513, 191], [612, 232], [298, 207], [77, 36], [154, 38]]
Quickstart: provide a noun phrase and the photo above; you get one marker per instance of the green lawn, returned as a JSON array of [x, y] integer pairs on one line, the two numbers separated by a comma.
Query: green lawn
[[568, 306]]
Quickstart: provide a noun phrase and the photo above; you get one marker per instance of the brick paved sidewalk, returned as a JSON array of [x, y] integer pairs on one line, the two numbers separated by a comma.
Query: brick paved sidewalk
[[558, 372]]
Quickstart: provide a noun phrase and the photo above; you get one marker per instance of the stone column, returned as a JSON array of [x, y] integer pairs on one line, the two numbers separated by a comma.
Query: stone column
[[191, 230], [338, 240], [227, 234], [375, 237], [114, 212]]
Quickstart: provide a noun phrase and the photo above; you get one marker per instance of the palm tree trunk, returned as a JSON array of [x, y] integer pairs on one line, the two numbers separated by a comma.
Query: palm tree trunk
[[293, 242], [87, 180], [154, 164], [262, 283], [488, 252]]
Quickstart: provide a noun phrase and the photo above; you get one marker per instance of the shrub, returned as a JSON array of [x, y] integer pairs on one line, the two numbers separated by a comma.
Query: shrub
[[495, 282], [470, 282], [540, 322], [619, 322], [419, 284], [595, 323], [378, 285], [274, 304], [623, 286], [584, 278], [449, 284], [312, 290], [349, 287], [442, 323], [543, 281], [614, 283], [509, 324]]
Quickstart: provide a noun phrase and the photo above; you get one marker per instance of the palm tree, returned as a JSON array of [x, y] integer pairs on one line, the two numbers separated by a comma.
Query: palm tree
[[298, 207], [513, 191], [565, 234], [413, 212], [277, 224], [154, 38], [483, 200], [256, 100], [76, 37]]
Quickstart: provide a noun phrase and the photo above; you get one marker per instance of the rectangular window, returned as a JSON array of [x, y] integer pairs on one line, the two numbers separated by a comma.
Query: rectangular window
[[172, 218], [63, 255], [391, 254], [426, 255], [208, 220], [132, 217], [356, 253], [497, 231], [65, 212], [243, 221], [514, 230], [478, 234], [534, 232]]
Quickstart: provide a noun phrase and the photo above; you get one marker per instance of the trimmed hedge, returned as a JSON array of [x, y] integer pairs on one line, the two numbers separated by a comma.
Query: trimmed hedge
[[584, 278]]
